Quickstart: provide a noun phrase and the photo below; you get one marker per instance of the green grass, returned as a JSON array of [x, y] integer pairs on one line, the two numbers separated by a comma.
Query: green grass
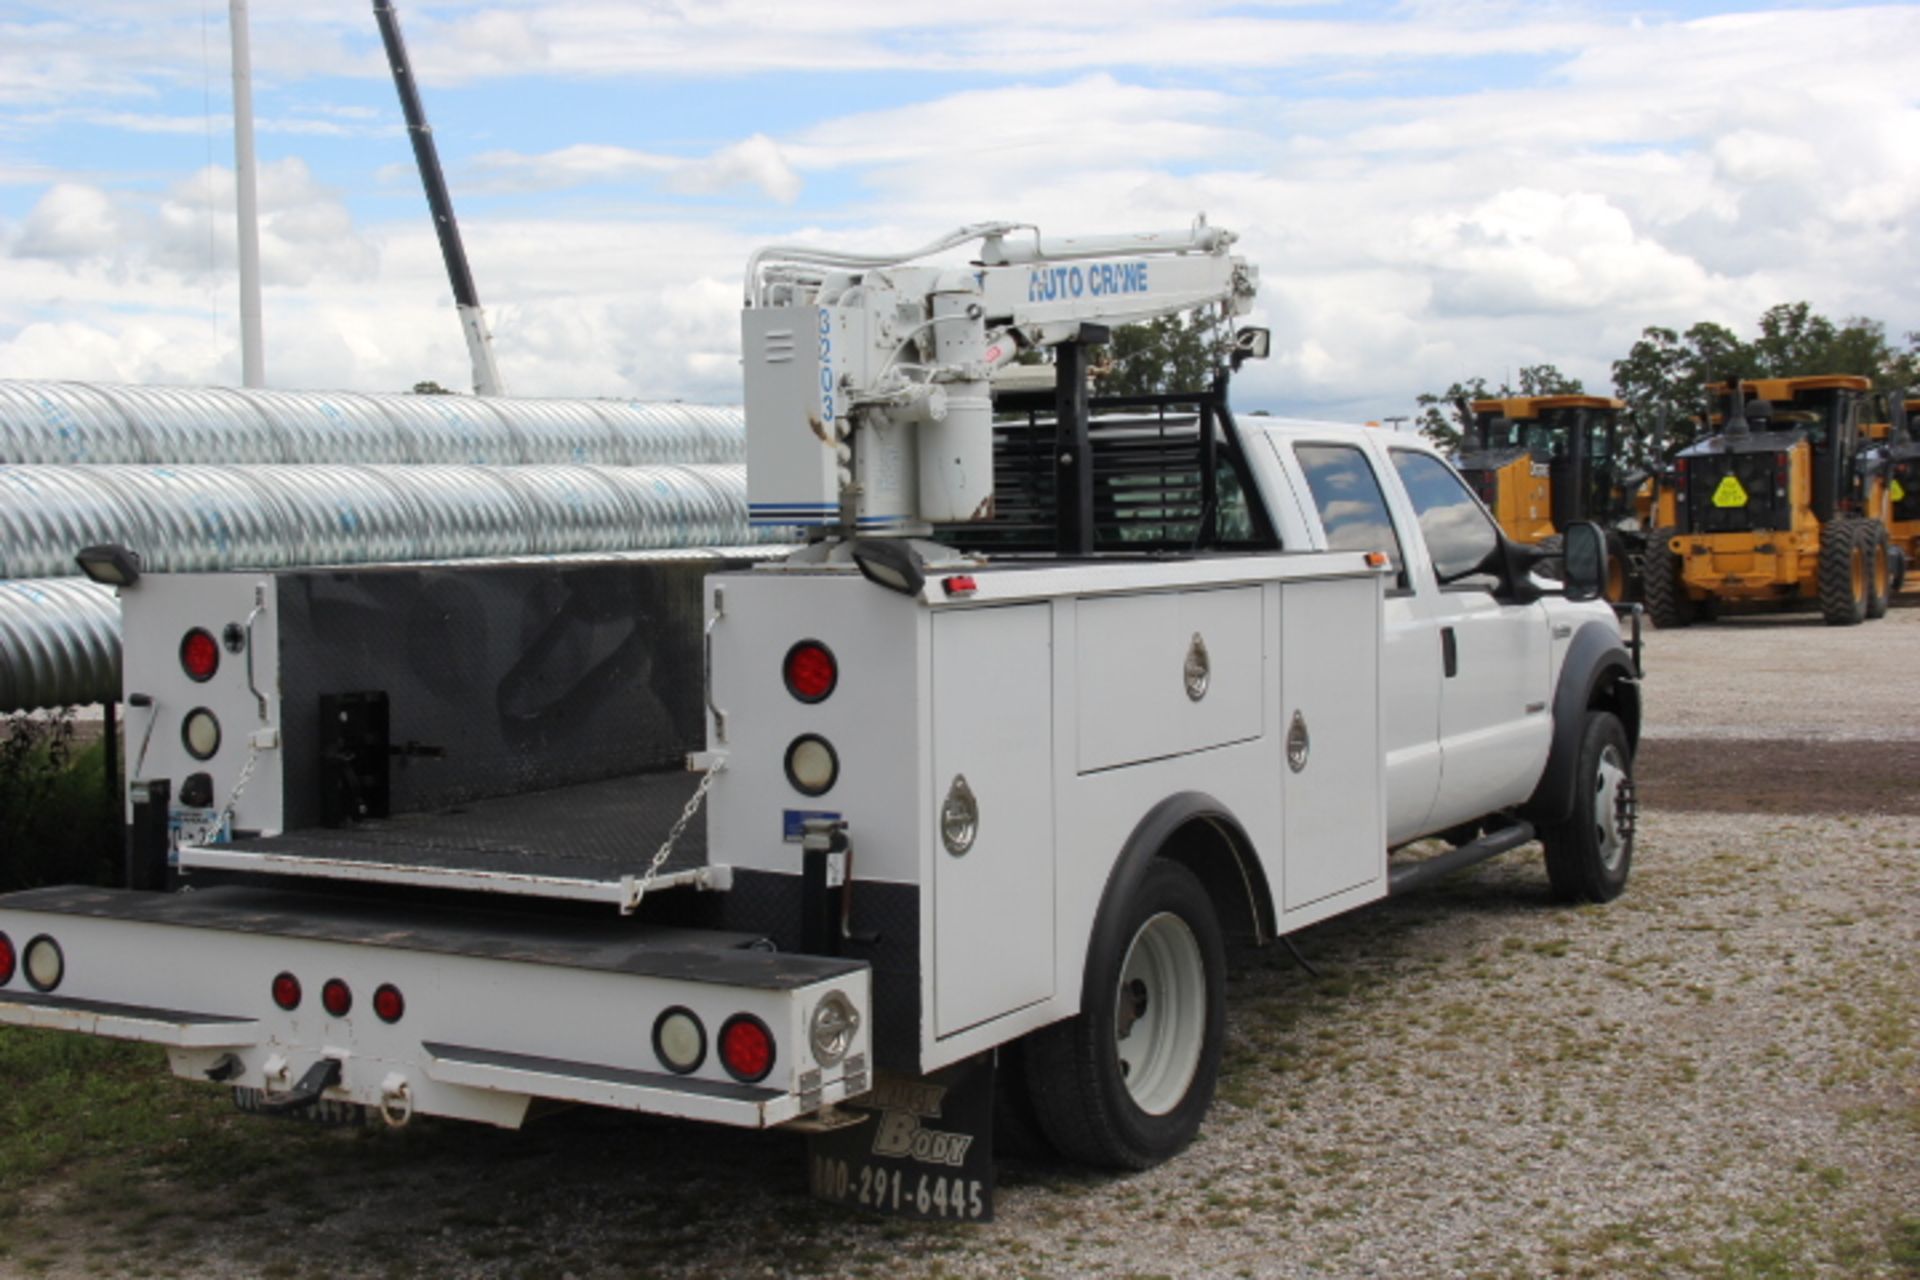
[[1903, 1245], [102, 1115]]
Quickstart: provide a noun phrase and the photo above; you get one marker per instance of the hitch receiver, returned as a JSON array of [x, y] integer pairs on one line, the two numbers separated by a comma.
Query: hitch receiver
[[320, 1077]]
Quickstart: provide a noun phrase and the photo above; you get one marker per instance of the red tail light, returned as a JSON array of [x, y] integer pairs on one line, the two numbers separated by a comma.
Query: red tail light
[[810, 670], [8, 961], [286, 992], [388, 1003], [336, 997], [199, 654], [746, 1048]]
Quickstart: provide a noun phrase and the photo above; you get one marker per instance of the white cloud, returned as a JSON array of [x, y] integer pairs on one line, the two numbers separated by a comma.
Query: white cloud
[[1528, 251], [758, 162], [70, 221]]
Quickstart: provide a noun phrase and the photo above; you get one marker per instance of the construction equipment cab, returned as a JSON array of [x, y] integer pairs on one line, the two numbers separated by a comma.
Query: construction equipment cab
[[1541, 463], [1056, 696], [1781, 504]]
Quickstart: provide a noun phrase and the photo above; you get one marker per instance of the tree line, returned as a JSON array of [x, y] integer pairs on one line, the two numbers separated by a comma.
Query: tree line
[[1663, 377]]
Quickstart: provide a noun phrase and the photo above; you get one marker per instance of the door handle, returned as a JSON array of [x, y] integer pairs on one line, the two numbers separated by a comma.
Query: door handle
[[1449, 653]]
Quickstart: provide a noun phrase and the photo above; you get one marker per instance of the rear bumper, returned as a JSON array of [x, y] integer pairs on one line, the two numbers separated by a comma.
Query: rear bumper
[[498, 1011], [174, 1028], [1748, 565]]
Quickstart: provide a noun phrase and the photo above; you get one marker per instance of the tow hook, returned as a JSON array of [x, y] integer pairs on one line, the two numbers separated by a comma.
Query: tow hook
[[320, 1077], [396, 1101]]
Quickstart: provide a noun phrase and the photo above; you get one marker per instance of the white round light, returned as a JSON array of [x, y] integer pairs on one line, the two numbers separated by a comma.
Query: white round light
[[812, 766], [201, 734], [43, 963], [680, 1040]]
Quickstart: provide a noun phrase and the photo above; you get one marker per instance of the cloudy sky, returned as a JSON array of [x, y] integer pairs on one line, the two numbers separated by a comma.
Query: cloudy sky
[[1432, 189]]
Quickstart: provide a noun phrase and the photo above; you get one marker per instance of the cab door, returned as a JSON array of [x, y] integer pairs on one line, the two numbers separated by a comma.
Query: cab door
[[1495, 722]]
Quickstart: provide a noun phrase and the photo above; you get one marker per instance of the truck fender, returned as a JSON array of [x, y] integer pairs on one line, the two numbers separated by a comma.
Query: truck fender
[[1199, 832], [1597, 673]]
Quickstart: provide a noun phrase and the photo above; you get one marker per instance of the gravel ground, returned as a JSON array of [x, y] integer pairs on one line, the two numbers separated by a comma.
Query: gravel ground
[[1717, 1075]]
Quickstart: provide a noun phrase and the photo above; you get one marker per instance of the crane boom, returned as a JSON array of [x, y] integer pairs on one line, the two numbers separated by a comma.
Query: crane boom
[[868, 394], [466, 298]]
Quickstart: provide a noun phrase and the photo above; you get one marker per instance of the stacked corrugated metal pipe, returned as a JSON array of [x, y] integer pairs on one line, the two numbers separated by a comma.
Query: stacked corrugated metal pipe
[[205, 478]]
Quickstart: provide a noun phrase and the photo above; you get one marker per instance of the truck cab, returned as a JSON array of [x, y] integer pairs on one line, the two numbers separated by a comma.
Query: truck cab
[[1472, 655]]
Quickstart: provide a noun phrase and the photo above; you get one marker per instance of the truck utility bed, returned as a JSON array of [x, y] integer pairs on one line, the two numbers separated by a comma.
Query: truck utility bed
[[590, 842]]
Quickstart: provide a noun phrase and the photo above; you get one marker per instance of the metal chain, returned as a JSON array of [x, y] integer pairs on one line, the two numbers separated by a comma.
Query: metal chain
[[239, 784], [673, 836]]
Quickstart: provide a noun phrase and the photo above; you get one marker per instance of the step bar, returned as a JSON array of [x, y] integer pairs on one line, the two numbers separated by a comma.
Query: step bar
[[1410, 876]]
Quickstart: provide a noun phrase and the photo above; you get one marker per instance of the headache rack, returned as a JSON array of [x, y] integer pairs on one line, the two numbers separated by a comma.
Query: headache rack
[[1166, 471]]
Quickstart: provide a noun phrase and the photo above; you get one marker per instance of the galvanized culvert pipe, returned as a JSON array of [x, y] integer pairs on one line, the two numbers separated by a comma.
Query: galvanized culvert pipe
[[59, 644], [194, 518], [90, 423]]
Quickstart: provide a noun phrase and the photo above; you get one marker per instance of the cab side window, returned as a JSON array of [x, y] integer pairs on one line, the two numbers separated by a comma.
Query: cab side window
[[1459, 536], [1352, 509]]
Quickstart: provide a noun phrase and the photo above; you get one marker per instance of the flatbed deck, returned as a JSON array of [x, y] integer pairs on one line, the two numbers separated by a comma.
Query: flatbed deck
[[587, 842]]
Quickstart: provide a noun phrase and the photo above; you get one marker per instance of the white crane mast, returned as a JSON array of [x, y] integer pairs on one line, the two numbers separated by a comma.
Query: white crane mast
[[868, 380]]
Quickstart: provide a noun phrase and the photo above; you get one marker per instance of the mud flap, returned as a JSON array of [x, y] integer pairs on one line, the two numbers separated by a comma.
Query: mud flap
[[924, 1149]]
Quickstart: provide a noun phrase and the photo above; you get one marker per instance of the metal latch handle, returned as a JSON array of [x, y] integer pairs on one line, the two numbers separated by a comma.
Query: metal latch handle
[[719, 716]]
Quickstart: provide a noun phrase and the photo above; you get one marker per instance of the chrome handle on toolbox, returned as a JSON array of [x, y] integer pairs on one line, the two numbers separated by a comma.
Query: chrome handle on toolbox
[[259, 607], [719, 716]]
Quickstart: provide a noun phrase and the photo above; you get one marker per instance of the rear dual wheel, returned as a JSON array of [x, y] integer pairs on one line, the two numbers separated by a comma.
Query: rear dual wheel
[[1126, 1083]]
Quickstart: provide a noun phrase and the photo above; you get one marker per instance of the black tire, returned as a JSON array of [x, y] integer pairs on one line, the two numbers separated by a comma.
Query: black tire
[[1843, 572], [1668, 604], [1880, 571], [1080, 1092], [1590, 855]]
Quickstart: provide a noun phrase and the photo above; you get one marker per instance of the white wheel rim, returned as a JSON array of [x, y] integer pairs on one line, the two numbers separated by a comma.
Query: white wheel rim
[[1611, 830], [1160, 1012]]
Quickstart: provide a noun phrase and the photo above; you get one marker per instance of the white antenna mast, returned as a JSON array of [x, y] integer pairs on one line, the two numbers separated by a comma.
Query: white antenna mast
[[253, 367]]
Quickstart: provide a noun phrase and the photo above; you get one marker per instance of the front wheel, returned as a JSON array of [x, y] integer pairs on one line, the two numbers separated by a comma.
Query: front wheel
[[1842, 575], [1880, 572], [1590, 854], [1663, 583], [1126, 1083]]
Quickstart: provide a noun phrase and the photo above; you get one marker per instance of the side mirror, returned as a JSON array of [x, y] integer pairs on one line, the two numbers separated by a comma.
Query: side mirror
[[1251, 344], [1585, 556]]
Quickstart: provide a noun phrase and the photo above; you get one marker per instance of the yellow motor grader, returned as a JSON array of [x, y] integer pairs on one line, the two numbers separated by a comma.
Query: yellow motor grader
[[1541, 463], [1782, 503]]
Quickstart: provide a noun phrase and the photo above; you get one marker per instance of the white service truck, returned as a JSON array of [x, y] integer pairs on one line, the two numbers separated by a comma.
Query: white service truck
[[1059, 696]]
